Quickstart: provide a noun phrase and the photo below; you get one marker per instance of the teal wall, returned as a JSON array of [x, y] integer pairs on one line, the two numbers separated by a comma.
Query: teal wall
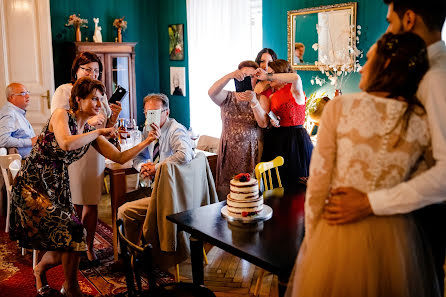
[[306, 36], [371, 16], [142, 27], [173, 12]]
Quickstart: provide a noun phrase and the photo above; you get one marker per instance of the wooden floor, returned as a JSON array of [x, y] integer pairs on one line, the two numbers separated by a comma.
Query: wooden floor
[[225, 275]]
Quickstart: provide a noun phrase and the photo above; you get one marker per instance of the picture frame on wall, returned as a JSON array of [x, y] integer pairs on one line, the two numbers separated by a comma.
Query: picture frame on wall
[[178, 81], [176, 42]]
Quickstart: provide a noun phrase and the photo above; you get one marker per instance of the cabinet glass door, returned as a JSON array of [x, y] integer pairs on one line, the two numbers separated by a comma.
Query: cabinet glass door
[[121, 76]]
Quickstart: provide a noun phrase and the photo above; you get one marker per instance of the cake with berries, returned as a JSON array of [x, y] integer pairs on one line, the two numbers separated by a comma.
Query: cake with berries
[[243, 199]]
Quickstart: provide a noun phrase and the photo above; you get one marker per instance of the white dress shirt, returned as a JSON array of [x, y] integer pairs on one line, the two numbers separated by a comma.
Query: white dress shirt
[[174, 146], [430, 186], [15, 129]]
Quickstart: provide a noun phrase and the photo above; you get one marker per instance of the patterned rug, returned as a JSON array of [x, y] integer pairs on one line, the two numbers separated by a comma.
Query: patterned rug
[[16, 278]]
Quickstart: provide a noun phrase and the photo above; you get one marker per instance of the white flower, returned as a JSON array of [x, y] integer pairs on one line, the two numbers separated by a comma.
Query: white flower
[[359, 32], [312, 81], [315, 46], [359, 27]]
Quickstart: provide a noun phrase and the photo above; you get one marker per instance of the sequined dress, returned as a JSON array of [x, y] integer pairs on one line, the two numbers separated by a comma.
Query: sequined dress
[[241, 143], [42, 214]]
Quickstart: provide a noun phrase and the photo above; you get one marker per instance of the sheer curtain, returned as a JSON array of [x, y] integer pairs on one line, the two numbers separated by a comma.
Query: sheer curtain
[[221, 34]]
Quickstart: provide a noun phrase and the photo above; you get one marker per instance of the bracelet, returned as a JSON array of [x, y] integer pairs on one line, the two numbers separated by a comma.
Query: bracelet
[[269, 76], [255, 105]]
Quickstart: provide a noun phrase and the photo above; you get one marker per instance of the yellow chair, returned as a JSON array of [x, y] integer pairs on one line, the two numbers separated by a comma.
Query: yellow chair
[[260, 172]]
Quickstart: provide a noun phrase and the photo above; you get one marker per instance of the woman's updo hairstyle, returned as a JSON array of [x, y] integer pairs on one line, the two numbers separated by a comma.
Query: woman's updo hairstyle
[[82, 88], [399, 65], [281, 66]]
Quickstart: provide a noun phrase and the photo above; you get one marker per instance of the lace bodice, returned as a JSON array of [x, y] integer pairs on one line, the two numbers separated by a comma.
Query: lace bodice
[[356, 148]]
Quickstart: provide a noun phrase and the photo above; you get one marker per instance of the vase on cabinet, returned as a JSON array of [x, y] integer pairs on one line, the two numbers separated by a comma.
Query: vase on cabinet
[[78, 33]]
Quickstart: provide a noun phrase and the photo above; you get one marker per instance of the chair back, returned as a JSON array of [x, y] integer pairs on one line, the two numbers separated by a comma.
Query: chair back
[[137, 261], [264, 167], [5, 161], [14, 168]]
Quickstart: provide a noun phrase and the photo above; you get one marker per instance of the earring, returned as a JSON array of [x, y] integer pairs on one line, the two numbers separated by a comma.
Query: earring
[[80, 108]]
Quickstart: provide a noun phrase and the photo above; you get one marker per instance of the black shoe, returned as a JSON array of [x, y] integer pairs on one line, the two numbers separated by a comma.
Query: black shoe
[[87, 264]]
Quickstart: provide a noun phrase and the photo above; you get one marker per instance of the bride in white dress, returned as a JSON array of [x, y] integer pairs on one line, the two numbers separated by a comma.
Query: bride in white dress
[[369, 140]]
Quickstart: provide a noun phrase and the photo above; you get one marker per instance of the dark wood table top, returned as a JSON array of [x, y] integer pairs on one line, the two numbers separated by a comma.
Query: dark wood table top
[[272, 245]]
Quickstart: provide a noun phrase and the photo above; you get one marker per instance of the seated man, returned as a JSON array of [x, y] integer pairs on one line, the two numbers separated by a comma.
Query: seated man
[[15, 129], [174, 145]]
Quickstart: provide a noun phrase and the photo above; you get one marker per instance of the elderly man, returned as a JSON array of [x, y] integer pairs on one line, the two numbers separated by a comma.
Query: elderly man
[[15, 129], [174, 145]]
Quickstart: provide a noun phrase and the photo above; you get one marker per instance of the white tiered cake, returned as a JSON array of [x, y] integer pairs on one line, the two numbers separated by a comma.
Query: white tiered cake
[[243, 200]]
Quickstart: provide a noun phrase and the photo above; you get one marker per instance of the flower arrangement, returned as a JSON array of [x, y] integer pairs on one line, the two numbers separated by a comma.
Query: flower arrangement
[[312, 102], [120, 23], [340, 64], [76, 22]]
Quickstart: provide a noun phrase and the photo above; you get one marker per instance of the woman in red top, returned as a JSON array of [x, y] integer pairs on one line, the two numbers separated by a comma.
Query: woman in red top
[[287, 138]]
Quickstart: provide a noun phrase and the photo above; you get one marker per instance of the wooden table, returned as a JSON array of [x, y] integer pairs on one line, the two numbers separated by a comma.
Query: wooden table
[[118, 187], [271, 245]]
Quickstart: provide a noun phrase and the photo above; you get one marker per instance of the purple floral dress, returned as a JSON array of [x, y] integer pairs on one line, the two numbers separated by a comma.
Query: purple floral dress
[[42, 215], [241, 143]]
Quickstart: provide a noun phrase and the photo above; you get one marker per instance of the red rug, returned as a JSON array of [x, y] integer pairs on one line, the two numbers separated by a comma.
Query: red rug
[[16, 278]]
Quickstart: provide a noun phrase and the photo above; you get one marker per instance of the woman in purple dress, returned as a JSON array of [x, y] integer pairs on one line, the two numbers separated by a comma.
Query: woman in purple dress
[[243, 116]]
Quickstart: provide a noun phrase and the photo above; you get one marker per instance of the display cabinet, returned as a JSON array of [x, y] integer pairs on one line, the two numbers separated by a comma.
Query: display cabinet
[[118, 60]]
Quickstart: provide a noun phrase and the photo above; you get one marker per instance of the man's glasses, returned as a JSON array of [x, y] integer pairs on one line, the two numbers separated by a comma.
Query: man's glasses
[[21, 94], [89, 70]]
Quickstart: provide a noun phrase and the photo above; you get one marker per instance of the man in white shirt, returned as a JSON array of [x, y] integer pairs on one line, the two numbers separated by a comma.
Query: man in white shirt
[[174, 145], [15, 129], [427, 191]]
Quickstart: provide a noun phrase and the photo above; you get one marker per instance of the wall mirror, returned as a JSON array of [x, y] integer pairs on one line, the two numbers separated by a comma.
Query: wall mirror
[[330, 29]]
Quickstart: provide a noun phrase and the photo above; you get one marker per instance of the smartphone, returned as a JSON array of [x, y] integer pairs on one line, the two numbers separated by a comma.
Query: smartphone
[[117, 95], [272, 115], [152, 117], [244, 85]]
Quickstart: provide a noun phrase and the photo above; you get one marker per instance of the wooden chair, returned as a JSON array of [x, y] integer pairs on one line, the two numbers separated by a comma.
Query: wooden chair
[[9, 172], [260, 172], [5, 161], [138, 262]]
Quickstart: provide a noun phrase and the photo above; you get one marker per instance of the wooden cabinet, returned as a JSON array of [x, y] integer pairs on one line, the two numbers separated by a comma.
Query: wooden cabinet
[[118, 60]]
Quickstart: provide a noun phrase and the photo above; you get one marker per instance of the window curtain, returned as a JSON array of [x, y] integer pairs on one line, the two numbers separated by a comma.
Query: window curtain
[[221, 34]]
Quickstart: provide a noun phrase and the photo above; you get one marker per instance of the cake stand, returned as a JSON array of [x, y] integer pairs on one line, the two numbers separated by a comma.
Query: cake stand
[[265, 214]]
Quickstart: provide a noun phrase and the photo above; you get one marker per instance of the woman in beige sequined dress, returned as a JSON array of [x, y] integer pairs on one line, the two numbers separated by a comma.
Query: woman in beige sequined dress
[[368, 140], [241, 138]]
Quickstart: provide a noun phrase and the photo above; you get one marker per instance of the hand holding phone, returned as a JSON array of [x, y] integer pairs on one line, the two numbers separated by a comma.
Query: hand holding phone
[[244, 85], [118, 95], [152, 117]]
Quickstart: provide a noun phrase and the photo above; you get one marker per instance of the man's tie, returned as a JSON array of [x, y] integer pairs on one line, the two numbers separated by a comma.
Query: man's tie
[[156, 152]]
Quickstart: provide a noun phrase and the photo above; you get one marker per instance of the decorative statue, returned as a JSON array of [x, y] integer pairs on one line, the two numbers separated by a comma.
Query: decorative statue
[[97, 37]]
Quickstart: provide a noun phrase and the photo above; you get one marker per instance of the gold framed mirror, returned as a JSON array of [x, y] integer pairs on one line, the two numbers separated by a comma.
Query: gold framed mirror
[[323, 34]]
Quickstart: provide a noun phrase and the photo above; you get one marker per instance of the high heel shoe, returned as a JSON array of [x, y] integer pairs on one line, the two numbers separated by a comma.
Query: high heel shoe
[[44, 290], [64, 292]]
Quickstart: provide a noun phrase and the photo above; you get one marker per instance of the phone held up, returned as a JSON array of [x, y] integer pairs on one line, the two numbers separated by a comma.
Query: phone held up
[[244, 85], [118, 95]]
